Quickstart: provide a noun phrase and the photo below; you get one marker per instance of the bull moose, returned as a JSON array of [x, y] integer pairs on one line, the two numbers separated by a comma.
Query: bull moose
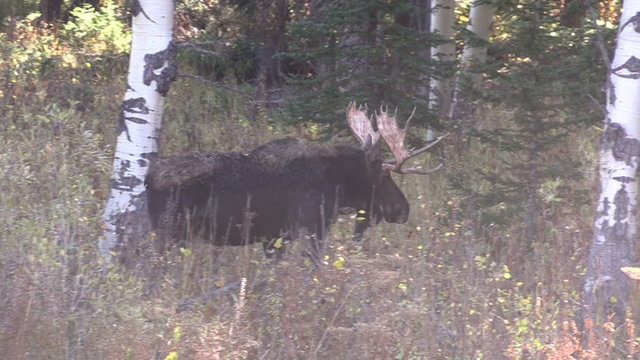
[[283, 189]]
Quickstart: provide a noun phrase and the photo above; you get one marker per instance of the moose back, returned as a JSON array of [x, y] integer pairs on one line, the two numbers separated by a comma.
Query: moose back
[[283, 189]]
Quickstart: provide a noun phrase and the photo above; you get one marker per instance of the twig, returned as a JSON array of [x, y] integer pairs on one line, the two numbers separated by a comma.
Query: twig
[[314, 355], [596, 103], [274, 101], [197, 48], [186, 304], [600, 41], [205, 43], [218, 84]]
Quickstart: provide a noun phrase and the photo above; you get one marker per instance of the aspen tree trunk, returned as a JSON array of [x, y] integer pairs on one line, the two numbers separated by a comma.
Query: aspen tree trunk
[[480, 19], [442, 22], [151, 70], [606, 289]]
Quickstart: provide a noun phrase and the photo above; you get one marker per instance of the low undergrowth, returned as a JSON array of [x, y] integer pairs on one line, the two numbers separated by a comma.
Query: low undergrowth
[[438, 287]]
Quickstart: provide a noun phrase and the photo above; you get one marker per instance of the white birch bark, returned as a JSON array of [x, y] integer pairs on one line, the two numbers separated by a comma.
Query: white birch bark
[[480, 19], [442, 22], [151, 71], [606, 289]]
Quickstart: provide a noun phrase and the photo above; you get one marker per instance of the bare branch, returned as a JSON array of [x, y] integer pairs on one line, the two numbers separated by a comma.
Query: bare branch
[[406, 124], [597, 104], [209, 43], [600, 43], [197, 48], [214, 83]]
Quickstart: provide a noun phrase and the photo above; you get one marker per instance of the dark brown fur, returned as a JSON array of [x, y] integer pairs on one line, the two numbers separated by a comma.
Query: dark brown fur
[[281, 189]]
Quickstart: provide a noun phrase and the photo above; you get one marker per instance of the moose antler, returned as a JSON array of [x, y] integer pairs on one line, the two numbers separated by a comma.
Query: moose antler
[[360, 125], [394, 137]]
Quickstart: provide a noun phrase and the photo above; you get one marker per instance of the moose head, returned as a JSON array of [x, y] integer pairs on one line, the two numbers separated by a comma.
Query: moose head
[[282, 189], [387, 201]]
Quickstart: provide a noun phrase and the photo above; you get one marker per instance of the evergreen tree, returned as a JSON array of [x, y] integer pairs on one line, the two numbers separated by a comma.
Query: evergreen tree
[[544, 76], [372, 51]]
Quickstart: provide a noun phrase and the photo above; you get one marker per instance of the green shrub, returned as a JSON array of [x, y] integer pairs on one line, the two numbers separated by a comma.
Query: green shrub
[[98, 31]]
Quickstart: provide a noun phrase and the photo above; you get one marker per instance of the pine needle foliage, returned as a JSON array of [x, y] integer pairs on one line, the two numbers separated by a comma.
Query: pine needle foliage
[[546, 78], [373, 51]]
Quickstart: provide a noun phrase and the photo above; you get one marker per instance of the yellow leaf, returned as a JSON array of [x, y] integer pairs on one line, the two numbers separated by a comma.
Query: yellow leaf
[[403, 286], [277, 244], [177, 333]]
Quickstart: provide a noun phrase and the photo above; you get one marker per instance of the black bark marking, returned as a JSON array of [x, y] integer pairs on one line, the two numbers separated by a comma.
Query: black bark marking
[[136, 120], [618, 232], [612, 91], [149, 155], [136, 9], [122, 126], [615, 234], [635, 21], [125, 165], [142, 163], [629, 70], [621, 200], [165, 60], [623, 179], [133, 105], [126, 183], [136, 106], [623, 148], [155, 135]]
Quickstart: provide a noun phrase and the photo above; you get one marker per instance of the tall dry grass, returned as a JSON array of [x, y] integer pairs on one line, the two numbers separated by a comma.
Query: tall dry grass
[[438, 287]]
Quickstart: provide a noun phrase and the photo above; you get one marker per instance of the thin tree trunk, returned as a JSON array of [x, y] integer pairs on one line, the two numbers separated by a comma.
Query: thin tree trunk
[[606, 288], [51, 10], [423, 24], [442, 22], [151, 71], [531, 212], [480, 19]]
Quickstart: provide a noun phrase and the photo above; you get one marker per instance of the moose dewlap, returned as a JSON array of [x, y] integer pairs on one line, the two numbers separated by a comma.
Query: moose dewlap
[[283, 189]]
